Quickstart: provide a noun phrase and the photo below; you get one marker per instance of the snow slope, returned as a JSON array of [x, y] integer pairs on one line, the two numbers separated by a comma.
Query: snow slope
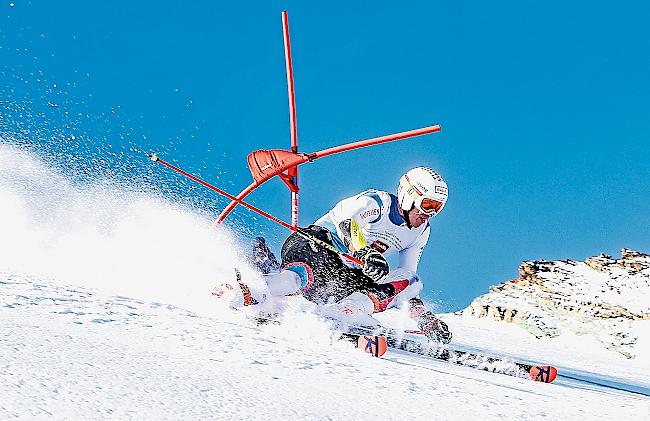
[[72, 353]]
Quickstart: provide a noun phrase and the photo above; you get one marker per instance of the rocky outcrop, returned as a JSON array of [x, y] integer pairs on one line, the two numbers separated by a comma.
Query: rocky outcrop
[[601, 296]]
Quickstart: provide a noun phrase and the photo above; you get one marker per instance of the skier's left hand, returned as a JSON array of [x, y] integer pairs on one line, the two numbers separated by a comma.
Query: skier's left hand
[[434, 328], [352, 235]]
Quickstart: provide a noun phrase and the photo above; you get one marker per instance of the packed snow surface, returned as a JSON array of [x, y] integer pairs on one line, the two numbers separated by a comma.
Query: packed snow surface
[[104, 317], [70, 353]]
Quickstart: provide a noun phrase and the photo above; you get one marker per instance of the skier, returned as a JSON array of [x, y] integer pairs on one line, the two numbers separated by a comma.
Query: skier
[[370, 226]]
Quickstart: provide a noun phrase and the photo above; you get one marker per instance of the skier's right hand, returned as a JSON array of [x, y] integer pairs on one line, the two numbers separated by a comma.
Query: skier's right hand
[[375, 265]]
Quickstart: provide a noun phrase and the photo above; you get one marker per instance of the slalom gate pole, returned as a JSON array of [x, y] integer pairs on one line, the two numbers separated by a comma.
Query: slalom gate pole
[[293, 171], [374, 141], [297, 230]]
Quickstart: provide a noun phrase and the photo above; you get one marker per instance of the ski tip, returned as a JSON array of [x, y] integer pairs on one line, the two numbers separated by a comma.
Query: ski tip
[[543, 373], [373, 345]]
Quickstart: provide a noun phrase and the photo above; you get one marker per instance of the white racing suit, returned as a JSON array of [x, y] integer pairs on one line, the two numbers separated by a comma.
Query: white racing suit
[[322, 276]]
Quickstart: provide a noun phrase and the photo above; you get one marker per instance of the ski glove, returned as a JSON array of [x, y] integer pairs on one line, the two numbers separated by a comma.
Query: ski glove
[[375, 265], [351, 235], [345, 227], [434, 328]]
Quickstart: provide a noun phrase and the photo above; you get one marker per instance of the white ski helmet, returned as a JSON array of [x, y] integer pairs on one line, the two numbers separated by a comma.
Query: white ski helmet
[[424, 188]]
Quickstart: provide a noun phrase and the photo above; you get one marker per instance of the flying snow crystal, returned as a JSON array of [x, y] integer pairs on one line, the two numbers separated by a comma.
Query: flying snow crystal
[[56, 229]]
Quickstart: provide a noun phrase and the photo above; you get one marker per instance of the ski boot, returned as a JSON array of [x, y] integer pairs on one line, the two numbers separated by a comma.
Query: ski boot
[[236, 294], [262, 258], [434, 328]]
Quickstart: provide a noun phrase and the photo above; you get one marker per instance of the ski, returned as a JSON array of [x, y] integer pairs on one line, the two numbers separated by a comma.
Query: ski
[[539, 373], [406, 341], [415, 342], [378, 341]]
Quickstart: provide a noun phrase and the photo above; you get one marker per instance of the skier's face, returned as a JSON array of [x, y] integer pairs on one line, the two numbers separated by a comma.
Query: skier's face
[[417, 217]]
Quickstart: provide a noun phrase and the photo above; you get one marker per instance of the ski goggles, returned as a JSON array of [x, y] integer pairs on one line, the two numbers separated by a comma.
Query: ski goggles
[[429, 206]]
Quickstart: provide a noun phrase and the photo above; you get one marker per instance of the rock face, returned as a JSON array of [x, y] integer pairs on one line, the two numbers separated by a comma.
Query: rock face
[[601, 296]]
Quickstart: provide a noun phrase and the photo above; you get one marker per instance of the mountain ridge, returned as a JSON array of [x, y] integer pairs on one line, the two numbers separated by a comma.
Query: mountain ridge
[[601, 296]]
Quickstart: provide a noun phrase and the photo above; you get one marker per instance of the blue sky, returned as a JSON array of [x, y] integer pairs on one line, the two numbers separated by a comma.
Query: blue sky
[[544, 108]]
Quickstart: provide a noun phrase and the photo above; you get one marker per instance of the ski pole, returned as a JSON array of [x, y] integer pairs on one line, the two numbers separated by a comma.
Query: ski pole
[[297, 230]]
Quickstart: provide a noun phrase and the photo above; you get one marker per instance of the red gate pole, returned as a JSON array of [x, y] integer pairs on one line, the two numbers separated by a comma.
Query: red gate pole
[[293, 172], [374, 141]]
